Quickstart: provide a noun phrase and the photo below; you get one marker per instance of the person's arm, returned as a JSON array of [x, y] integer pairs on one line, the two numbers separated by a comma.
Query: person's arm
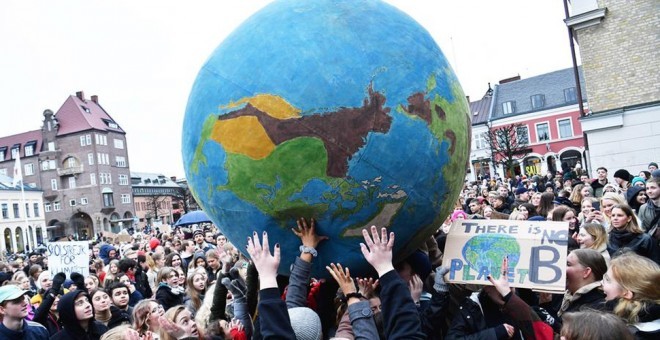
[[400, 317], [273, 315], [41, 314], [433, 317], [296, 295], [219, 303], [359, 311]]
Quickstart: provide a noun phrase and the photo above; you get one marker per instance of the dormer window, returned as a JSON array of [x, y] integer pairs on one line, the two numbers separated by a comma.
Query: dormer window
[[509, 107], [113, 125], [86, 109], [15, 151], [538, 101]]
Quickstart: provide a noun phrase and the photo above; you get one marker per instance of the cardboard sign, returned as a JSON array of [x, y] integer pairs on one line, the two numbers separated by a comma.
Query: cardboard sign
[[536, 252], [68, 257]]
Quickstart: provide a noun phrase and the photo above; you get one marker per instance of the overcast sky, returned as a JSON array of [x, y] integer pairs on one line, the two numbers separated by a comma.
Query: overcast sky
[[141, 57]]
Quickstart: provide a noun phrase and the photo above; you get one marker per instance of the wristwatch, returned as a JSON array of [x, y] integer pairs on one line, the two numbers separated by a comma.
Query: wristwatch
[[309, 250]]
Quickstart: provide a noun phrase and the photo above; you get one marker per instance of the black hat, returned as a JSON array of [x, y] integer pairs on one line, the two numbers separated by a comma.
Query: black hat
[[623, 174]]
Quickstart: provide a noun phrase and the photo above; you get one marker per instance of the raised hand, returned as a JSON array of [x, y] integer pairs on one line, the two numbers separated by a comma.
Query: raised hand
[[343, 278], [307, 233], [416, 286], [439, 283], [377, 249], [367, 287], [502, 284], [171, 328], [265, 262]]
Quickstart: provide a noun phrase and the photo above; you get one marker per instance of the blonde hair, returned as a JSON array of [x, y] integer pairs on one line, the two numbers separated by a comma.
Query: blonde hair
[[116, 333], [576, 194], [599, 234], [640, 276], [141, 313], [164, 273]]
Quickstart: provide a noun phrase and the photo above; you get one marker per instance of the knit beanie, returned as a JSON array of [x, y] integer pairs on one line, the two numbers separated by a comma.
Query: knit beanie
[[636, 180], [44, 274], [623, 174], [153, 243], [306, 323]]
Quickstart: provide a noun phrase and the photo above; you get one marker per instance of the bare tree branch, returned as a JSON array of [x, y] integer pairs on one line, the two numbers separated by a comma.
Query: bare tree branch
[[507, 144]]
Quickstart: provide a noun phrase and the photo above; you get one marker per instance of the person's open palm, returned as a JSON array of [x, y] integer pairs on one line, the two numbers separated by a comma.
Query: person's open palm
[[377, 249]]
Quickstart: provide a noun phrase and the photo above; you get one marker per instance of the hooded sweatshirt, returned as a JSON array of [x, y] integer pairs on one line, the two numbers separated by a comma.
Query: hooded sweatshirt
[[72, 329], [103, 253]]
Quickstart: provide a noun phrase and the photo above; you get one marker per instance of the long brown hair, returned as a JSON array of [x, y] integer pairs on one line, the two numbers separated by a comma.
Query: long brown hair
[[546, 205], [194, 294], [141, 314]]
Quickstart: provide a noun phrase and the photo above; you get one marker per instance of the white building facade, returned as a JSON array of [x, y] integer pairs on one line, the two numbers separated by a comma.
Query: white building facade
[[22, 222]]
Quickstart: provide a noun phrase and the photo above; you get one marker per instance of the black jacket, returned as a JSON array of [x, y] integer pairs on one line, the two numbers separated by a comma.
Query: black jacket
[[43, 316], [72, 329], [167, 298], [642, 244], [142, 283]]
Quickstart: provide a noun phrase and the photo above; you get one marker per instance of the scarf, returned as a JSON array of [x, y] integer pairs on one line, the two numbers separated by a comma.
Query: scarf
[[570, 298]]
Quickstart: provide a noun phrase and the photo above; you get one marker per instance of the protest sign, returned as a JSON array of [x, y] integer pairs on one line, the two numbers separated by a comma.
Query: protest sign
[[536, 252], [68, 257]]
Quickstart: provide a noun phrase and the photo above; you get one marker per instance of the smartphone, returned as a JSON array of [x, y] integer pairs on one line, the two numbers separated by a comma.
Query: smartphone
[[596, 205]]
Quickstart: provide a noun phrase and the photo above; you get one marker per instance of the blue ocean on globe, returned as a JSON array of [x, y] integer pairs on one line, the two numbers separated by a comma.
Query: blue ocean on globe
[[344, 111]]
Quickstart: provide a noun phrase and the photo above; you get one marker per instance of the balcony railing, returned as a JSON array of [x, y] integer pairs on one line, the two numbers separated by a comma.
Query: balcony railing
[[74, 170]]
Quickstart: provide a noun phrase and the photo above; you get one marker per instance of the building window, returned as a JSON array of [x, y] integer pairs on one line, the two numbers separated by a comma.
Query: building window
[[125, 198], [47, 207], [57, 206], [107, 200], [570, 95], [2, 155], [92, 179], [17, 213], [72, 182], [14, 153], [51, 146], [509, 107], [28, 169], [84, 201], [71, 162], [3, 172], [565, 128], [522, 133], [27, 209], [105, 178], [88, 139], [542, 132], [90, 158], [538, 101], [36, 209], [480, 141], [119, 144], [72, 203], [29, 150], [121, 161], [53, 184], [83, 141], [101, 139], [5, 211], [123, 179]]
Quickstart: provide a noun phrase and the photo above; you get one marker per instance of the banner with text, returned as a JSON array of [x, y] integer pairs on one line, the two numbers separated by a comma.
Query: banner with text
[[68, 257], [536, 251]]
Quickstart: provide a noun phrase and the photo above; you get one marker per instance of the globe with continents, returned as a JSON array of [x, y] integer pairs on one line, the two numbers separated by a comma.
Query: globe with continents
[[484, 253], [345, 111]]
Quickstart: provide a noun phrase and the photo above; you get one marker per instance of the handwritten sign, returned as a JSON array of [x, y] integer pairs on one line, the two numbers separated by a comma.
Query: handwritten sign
[[536, 253], [68, 257]]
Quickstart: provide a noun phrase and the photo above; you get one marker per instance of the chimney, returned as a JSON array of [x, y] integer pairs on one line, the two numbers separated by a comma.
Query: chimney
[[95, 99], [80, 95], [508, 80], [173, 178]]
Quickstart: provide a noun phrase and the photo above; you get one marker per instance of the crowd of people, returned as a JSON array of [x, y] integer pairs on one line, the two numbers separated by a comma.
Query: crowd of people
[[192, 283]]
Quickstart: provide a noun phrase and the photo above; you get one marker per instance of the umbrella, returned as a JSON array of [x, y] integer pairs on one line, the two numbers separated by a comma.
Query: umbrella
[[193, 217]]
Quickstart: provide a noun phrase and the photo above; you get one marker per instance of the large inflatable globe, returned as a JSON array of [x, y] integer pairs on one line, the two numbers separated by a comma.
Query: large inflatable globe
[[345, 111]]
